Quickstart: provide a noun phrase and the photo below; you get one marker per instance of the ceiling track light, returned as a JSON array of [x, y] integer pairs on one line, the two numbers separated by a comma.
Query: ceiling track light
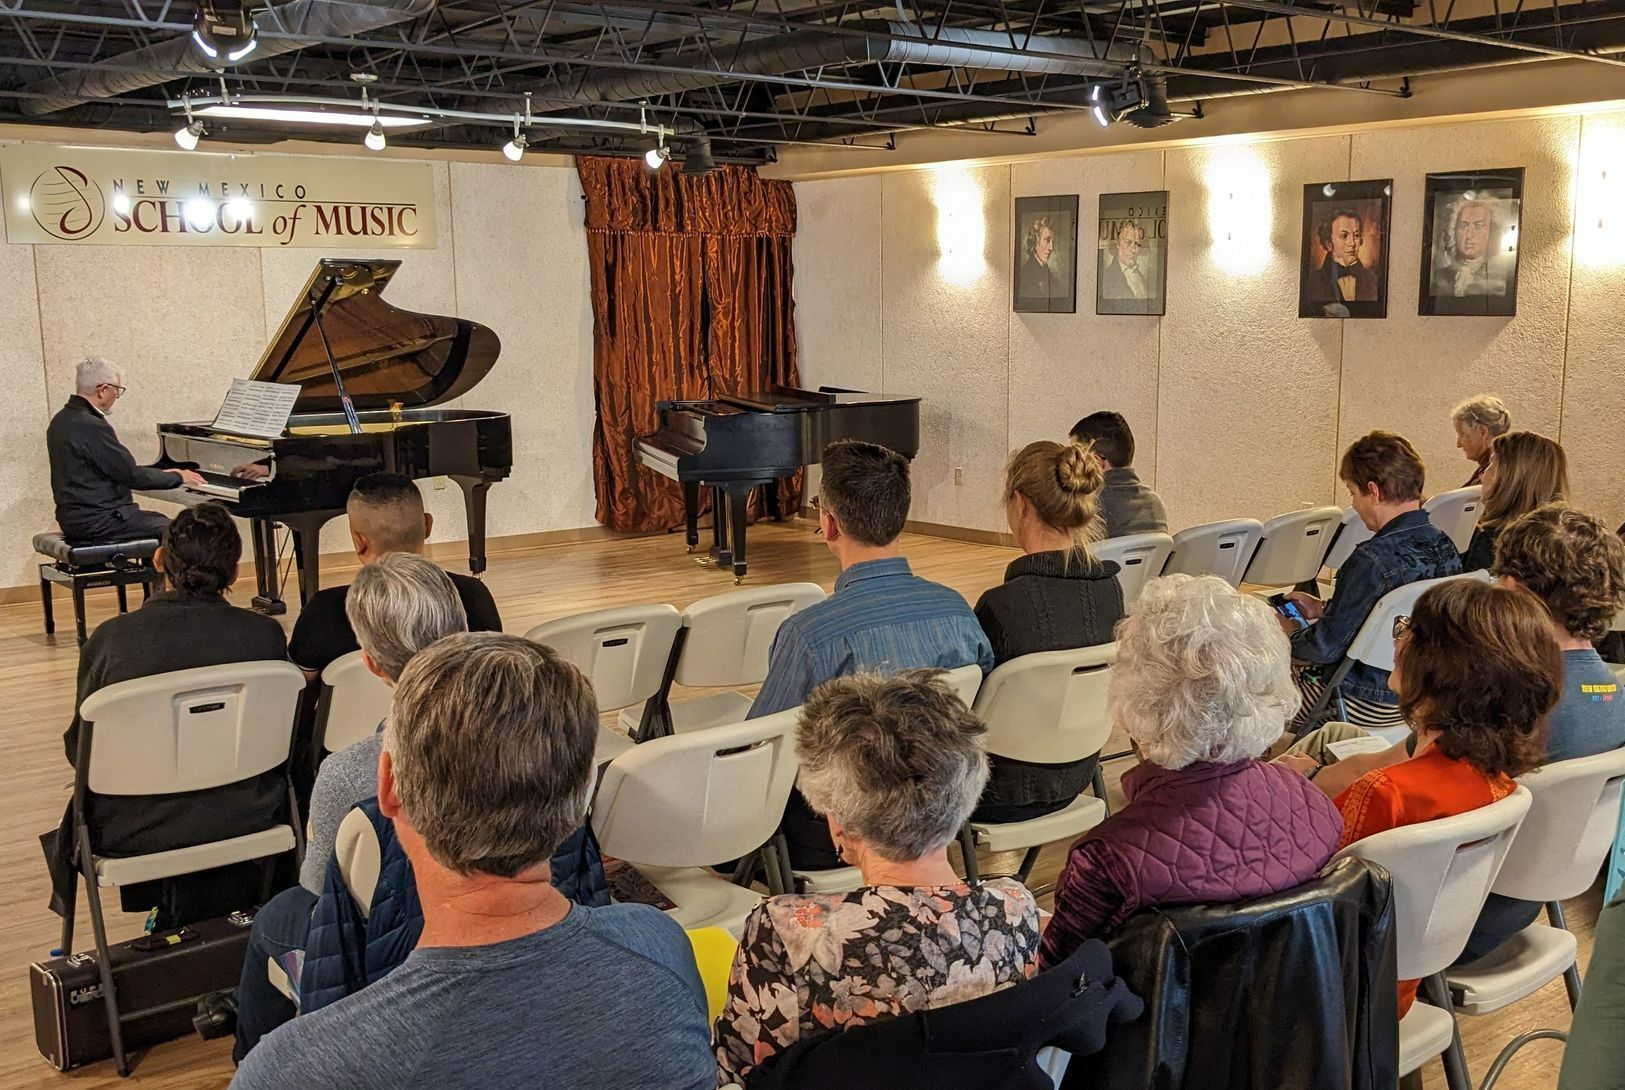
[[190, 133], [223, 31], [514, 150], [1108, 103], [657, 156], [375, 140]]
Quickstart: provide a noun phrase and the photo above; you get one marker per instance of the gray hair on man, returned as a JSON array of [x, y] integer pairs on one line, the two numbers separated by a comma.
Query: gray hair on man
[[1203, 673], [93, 372], [398, 606], [897, 761], [490, 742], [1483, 411]]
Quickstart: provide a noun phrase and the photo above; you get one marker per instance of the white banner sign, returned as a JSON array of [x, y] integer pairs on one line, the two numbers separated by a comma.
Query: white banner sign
[[105, 196]]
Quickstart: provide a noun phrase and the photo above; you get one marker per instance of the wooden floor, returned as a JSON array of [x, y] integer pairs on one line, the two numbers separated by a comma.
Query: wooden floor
[[532, 585]]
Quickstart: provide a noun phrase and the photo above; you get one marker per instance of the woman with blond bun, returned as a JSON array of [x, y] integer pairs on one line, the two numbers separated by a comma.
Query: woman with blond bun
[[1054, 597], [1525, 470]]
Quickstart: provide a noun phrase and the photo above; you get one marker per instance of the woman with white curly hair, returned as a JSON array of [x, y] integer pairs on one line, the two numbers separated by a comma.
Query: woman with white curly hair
[[1203, 686]]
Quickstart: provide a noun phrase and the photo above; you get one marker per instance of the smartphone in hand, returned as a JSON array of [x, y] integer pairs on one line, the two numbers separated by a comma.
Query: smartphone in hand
[[1288, 609]]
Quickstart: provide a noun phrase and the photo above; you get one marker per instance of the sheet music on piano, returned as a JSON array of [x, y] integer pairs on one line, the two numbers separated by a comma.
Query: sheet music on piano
[[258, 410]]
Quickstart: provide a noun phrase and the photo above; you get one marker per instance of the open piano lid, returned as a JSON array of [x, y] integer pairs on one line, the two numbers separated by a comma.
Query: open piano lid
[[386, 355]]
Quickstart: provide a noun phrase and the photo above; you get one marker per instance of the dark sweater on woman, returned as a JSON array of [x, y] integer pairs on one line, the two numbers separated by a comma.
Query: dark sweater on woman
[[1045, 604]]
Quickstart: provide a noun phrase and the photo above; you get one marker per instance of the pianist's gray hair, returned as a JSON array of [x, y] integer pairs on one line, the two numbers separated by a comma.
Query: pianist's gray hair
[[399, 605], [491, 743], [896, 761], [1485, 412], [93, 371]]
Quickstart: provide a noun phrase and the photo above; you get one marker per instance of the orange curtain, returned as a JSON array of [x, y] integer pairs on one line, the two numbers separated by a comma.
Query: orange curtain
[[690, 300]]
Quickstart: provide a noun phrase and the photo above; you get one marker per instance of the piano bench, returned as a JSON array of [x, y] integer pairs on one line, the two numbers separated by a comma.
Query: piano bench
[[85, 567]]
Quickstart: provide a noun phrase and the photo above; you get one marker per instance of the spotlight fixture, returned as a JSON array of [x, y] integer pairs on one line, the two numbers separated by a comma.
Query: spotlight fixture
[[187, 135], [375, 139], [514, 149], [698, 160], [1110, 103], [223, 31], [656, 156], [1097, 105]]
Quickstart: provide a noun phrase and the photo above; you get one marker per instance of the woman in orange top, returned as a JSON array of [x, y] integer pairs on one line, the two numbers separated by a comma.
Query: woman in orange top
[[1476, 669]]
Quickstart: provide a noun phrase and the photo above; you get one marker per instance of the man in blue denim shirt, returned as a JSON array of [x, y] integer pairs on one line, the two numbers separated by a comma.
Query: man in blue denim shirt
[[881, 616], [1384, 476]]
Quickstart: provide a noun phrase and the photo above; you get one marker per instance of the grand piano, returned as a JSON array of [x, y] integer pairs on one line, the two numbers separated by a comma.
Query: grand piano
[[737, 443], [368, 374]]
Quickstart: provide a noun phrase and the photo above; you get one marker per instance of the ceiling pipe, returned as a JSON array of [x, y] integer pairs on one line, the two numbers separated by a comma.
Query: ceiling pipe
[[176, 57]]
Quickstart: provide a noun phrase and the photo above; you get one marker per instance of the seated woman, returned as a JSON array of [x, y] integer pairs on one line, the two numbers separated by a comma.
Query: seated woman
[[1384, 477], [1477, 669], [1054, 598], [1202, 685], [895, 765], [188, 625], [1525, 470], [1479, 420]]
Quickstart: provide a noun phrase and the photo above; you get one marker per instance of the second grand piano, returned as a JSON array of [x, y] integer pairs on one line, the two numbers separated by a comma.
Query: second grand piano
[[368, 374]]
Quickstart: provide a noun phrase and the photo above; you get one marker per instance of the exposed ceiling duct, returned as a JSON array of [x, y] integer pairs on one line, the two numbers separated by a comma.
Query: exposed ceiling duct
[[303, 22]]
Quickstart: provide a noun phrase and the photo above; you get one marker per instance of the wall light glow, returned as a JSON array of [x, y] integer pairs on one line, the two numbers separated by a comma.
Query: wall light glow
[[121, 202], [961, 226], [199, 213], [239, 208], [1240, 210], [1599, 218]]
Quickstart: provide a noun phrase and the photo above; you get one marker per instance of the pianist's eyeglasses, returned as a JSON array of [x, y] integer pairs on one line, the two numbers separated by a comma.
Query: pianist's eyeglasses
[[114, 386]]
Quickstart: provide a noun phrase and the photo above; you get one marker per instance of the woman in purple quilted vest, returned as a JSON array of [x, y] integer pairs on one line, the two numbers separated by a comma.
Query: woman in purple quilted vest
[[1203, 685]]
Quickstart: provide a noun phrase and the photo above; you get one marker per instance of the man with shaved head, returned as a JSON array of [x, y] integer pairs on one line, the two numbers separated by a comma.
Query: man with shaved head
[[386, 516]]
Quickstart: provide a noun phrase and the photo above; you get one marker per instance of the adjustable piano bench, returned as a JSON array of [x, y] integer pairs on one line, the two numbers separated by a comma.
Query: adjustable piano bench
[[84, 567]]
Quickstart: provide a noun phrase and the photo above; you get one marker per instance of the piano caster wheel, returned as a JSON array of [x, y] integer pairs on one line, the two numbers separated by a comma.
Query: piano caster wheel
[[738, 579]]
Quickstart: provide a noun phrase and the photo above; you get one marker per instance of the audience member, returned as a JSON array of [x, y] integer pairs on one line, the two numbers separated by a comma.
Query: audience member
[[188, 625], [487, 767], [1126, 505], [1478, 420], [1384, 477], [1477, 670], [881, 616], [895, 766], [1525, 470], [1203, 685], [386, 516], [1053, 598]]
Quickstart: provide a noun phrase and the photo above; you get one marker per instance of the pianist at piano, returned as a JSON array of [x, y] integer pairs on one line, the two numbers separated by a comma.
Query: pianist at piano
[[92, 474]]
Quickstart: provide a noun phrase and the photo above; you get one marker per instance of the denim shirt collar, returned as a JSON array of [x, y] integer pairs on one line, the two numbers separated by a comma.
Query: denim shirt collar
[[1410, 520], [872, 569]]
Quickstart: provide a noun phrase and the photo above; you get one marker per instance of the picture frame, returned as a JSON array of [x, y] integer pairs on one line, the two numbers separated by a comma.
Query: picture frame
[[1044, 269], [1131, 254], [1343, 266], [1471, 226]]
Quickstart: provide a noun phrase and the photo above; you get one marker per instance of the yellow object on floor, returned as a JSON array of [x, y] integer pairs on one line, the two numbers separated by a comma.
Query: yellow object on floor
[[714, 955]]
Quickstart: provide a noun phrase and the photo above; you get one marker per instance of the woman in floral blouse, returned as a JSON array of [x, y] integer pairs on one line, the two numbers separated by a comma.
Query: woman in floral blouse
[[895, 765]]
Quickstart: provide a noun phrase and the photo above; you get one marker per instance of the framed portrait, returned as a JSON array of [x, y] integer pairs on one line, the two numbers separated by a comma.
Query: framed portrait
[[1046, 257], [1131, 261], [1343, 271], [1470, 223]]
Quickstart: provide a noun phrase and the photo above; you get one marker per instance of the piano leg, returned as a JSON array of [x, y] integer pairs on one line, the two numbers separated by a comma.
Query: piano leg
[[474, 490], [770, 492], [738, 500], [719, 527], [267, 600], [691, 513], [307, 548]]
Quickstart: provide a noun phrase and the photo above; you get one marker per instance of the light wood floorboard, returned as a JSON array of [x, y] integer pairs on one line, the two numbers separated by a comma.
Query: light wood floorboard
[[531, 585]]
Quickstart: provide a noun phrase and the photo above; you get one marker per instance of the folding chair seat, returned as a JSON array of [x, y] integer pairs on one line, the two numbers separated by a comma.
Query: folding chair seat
[[1292, 547], [353, 701], [1139, 558], [1456, 514], [1215, 548]]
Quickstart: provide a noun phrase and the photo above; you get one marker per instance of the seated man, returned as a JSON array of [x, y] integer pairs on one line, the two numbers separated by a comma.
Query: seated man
[[91, 471], [386, 516], [1126, 506], [487, 767], [881, 616]]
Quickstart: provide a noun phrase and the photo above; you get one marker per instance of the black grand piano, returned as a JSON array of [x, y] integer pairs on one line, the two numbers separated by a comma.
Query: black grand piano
[[366, 371], [738, 443]]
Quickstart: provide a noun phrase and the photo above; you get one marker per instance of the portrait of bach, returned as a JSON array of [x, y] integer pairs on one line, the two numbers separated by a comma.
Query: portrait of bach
[[1127, 271], [1342, 277], [1469, 259], [1036, 279]]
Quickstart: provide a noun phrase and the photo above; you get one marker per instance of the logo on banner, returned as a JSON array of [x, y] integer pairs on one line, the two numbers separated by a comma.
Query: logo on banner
[[66, 202]]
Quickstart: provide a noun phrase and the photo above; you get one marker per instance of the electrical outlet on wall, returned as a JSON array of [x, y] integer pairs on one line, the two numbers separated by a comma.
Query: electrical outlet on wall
[[959, 475]]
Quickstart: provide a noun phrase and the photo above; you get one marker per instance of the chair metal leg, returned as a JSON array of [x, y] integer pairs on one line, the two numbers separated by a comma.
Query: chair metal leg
[[1456, 1076], [1098, 786], [774, 875], [45, 602], [744, 869], [782, 845], [1512, 1048], [104, 957], [1571, 975], [967, 849], [1027, 862]]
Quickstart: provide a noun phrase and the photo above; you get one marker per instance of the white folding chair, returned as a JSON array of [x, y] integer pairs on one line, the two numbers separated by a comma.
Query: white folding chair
[[965, 681], [1374, 644], [1139, 558], [1292, 547], [1574, 809], [1455, 513], [1351, 533], [1215, 548], [354, 700], [622, 651], [724, 641], [677, 805], [1045, 708], [169, 734], [1442, 871]]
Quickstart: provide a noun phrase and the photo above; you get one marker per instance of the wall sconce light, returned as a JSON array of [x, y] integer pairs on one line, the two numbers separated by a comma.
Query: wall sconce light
[[961, 226], [1240, 210]]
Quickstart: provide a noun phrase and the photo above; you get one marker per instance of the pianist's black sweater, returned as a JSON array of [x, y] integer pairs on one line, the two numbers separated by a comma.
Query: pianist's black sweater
[[92, 474]]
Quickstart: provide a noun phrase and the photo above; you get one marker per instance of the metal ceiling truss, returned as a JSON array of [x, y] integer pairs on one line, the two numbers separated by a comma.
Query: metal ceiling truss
[[754, 75]]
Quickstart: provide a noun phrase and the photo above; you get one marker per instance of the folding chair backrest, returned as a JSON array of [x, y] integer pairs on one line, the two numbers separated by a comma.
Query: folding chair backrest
[[354, 701], [729, 635], [1049, 707], [1352, 532], [1455, 513], [359, 859], [1139, 558], [966, 680], [700, 798], [1374, 644], [623, 651], [1442, 871], [1573, 812], [191, 729], [1293, 546], [1216, 548]]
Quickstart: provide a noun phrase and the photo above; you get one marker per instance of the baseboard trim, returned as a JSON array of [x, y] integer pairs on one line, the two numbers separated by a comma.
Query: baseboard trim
[[960, 533]]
